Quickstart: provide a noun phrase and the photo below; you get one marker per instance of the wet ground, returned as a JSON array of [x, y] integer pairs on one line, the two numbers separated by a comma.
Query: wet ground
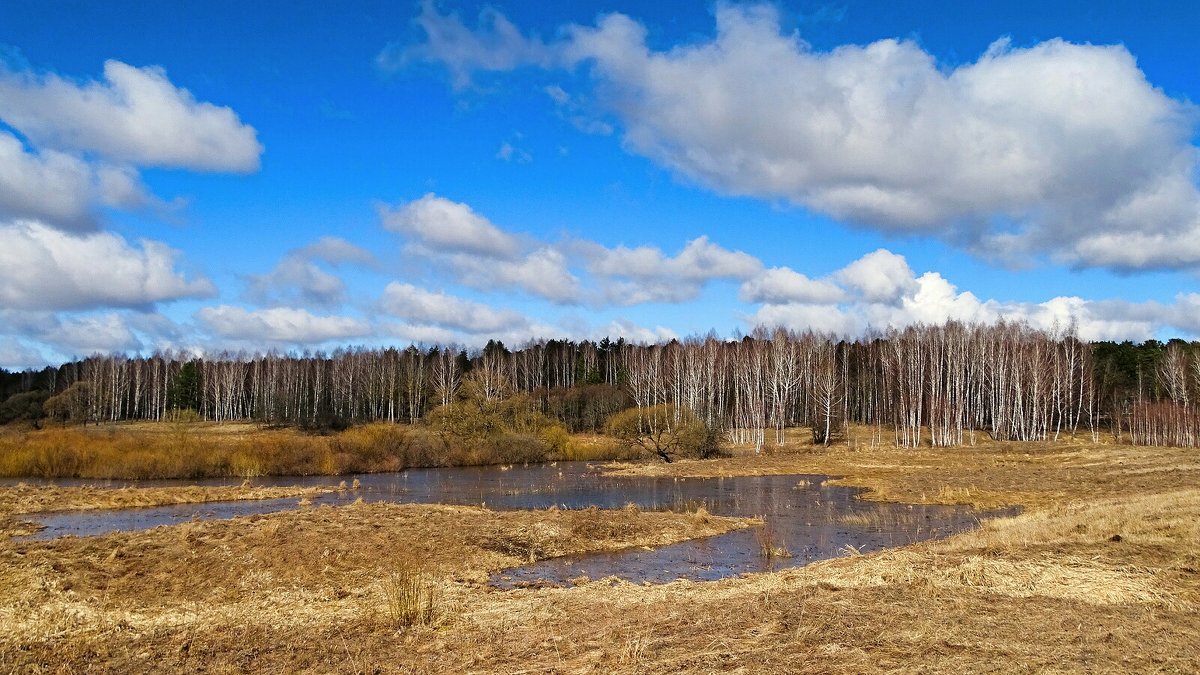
[[804, 518]]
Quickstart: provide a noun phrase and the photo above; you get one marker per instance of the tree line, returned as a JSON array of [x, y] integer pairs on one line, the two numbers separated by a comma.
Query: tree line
[[945, 385]]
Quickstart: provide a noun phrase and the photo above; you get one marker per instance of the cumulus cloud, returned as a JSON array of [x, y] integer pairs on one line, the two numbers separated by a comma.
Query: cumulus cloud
[[43, 268], [423, 307], [699, 260], [633, 332], [877, 290], [646, 274], [338, 251], [57, 187], [801, 316], [136, 115], [543, 272], [780, 285], [90, 334], [880, 276], [280, 324], [61, 336], [298, 278], [77, 146], [481, 255], [423, 334], [1058, 149], [880, 290], [449, 226]]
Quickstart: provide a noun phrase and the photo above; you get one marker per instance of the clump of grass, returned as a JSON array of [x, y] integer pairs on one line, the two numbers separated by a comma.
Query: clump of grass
[[952, 495], [410, 598], [770, 547]]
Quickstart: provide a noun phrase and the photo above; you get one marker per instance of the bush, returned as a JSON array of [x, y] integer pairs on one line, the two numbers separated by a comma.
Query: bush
[[665, 431], [25, 407]]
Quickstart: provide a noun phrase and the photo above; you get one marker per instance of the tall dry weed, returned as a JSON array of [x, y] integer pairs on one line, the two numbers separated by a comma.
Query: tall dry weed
[[410, 598]]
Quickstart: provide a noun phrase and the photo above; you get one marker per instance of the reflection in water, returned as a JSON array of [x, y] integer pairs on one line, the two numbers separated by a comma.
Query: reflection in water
[[804, 519]]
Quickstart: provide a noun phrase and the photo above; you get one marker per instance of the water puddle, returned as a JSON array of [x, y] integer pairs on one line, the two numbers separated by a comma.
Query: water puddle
[[805, 519]]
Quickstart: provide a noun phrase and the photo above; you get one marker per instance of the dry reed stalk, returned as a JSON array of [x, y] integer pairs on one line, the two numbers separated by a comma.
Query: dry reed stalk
[[410, 598]]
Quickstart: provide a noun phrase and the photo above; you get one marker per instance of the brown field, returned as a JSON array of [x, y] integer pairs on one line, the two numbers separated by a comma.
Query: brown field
[[23, 499], [1100, 574], [197, 449]]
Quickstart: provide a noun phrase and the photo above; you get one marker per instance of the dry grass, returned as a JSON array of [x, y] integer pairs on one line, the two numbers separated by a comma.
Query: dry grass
[[190, 449], [1100, 574], [23, 498], [988, 475], [145, 600], [411, 598]]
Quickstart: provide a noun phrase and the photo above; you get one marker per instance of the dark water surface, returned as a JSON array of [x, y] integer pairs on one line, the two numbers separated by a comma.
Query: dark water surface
[[804, 518]]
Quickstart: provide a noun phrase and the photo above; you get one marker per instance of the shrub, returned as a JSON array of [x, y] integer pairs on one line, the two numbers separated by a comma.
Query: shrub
[[665, 431]]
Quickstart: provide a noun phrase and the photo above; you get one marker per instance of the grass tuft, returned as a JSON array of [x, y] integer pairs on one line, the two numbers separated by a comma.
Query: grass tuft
[[410, 598]]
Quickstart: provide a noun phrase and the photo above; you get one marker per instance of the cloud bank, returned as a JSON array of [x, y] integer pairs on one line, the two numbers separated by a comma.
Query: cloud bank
[[1054, 150]]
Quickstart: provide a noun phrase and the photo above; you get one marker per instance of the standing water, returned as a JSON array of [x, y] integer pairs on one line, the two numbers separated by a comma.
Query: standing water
[[804, 518]]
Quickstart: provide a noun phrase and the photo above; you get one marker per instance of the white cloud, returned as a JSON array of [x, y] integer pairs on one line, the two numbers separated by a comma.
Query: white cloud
[[872, 300], [91, 334], [495, 45], [780, 285], [136, 115], [646, 274], [557, 94], [296, 279], [280, 324], [299, 279], [542, 272], [57, 187], [485, 257], [423, 334], [338, 251], [43, 268], [633, 332], [1057, 150], [800, 316], [16, 355], [422, 307], [450, 227], [700, 260], [1049, 143], [67, 335], [480, 254], [879, 276], [877, 291]]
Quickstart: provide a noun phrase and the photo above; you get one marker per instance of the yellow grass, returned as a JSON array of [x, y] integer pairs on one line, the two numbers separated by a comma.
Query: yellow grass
[[197, 449], [23, 498], [1101, 573]]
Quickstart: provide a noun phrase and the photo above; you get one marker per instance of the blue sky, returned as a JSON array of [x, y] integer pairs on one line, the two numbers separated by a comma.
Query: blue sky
[[204, 176]]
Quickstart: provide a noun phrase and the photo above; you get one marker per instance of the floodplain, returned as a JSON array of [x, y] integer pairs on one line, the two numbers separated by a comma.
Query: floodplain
[[1100, 572]]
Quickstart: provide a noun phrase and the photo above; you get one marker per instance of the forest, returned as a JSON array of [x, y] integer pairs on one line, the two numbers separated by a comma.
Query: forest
[[939, 385]]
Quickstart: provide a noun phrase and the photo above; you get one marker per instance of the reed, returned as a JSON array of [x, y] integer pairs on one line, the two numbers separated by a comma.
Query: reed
[[193, 449], [410, 598]]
